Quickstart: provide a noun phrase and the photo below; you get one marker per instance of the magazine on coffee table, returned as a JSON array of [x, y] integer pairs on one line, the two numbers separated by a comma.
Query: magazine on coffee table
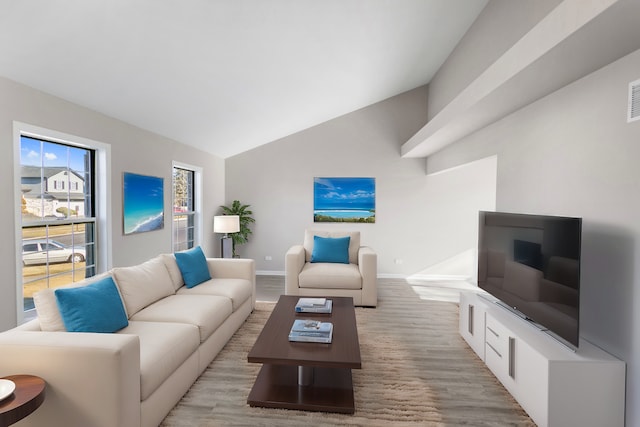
[[314, 305], [304, 330]]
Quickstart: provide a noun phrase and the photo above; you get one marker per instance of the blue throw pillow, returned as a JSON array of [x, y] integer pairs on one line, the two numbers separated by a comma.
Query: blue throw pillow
[[193, 266], [93, 308], [330, 249]]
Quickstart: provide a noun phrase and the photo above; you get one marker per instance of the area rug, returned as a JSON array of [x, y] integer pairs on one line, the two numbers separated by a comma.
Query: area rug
[[416, 371]]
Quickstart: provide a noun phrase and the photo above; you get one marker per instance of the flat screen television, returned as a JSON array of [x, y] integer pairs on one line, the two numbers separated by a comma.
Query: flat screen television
[[531, 265]]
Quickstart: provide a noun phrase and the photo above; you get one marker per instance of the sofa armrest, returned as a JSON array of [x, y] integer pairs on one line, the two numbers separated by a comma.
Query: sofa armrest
[[91, 379], [368, 265], [234, 268], [294, 261]]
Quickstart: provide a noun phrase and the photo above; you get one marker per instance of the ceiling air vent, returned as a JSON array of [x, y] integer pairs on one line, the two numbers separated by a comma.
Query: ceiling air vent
[[634, 101]]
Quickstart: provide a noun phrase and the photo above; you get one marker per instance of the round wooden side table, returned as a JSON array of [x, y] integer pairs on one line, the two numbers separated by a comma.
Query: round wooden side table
[[26, 398]]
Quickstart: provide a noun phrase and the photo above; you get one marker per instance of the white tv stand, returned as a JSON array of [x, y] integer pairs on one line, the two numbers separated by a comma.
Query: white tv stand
[[554, 385]]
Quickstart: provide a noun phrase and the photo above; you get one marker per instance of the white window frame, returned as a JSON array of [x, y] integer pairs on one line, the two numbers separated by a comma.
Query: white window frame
[[103, 259], [197, 203]]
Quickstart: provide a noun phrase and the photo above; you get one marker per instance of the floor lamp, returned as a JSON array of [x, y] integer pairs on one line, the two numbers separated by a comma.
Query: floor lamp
[[226, 224]]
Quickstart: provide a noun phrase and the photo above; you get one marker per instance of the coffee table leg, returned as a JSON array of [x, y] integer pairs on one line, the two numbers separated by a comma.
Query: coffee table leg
[[305, 375]]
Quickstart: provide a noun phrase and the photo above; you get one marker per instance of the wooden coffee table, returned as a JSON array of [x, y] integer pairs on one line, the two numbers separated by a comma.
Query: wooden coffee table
[[306, 376]]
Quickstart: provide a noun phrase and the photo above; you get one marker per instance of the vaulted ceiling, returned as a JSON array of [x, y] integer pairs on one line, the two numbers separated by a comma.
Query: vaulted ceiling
[[228, 75]]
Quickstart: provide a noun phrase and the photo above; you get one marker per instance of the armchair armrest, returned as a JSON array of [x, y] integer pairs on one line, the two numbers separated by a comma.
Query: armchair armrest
[[91, 379], [294, 261], [234, 268], [368, 265]]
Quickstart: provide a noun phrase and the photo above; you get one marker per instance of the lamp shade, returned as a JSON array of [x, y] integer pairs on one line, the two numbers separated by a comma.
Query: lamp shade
[[226, 224]]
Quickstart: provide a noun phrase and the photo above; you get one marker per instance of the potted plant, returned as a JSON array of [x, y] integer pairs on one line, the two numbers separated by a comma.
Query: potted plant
[[244, 213]]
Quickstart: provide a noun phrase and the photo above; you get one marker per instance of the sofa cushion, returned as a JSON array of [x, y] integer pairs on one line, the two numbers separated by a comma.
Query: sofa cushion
[[330, 276], [330, 249], [354, 242], [237, 290], [47, 306], [193, 266], [48, 312], [207, 312], [174, 271], [164, 347], [143, 284], [93, 308]]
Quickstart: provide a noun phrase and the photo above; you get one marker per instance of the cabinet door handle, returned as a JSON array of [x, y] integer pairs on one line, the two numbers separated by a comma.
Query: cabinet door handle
[[494, 349], [493, 332], [512, 357], [470, 325]]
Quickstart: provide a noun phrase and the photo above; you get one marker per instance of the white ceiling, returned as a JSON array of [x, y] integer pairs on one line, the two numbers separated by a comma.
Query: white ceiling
[[228, 75]]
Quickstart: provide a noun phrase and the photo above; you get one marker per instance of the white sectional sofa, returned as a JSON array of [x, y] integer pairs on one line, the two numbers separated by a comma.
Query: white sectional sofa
[[132, 377]]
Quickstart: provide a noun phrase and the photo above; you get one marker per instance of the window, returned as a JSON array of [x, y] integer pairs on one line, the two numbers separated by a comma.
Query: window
[[185, 208], [61, 206], [57, 241]]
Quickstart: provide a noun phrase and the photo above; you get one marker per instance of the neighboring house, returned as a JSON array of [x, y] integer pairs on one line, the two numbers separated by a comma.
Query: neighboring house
[[45, 190]]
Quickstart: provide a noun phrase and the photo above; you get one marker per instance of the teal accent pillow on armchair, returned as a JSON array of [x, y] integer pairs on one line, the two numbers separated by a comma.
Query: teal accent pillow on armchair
[[331, 249], [93, 308]]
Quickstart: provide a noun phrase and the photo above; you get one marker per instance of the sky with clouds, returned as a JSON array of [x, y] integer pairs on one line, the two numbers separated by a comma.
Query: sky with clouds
[[34, 152], [344, 193]]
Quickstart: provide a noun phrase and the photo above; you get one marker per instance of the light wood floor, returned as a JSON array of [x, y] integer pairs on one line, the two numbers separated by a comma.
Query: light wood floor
[[416, 369], [269, 288]]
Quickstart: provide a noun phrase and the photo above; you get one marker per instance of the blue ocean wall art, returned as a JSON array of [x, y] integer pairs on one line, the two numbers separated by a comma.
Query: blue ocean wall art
[[143, 198], [344, 200]]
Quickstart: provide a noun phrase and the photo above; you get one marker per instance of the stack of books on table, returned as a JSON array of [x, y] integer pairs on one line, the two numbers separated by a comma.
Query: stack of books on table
[[311, 331], [314, 305]]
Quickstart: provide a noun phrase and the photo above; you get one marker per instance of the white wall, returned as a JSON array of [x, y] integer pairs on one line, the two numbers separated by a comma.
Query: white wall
[[573, 153], [420, 220], [132, 150]]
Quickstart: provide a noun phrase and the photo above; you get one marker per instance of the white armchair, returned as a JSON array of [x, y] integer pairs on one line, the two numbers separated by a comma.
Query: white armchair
[[357, 279]]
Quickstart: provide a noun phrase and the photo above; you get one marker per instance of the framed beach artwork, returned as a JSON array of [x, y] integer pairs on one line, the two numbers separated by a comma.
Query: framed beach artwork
[[344, 200], [143, 208]]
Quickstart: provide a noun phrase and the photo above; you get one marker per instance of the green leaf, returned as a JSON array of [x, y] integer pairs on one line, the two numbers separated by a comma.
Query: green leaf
[[242, 236]]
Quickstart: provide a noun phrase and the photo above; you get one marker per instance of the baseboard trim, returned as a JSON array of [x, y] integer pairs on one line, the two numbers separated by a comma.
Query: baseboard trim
[[436, 277], [269, 273], [391, 276]]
